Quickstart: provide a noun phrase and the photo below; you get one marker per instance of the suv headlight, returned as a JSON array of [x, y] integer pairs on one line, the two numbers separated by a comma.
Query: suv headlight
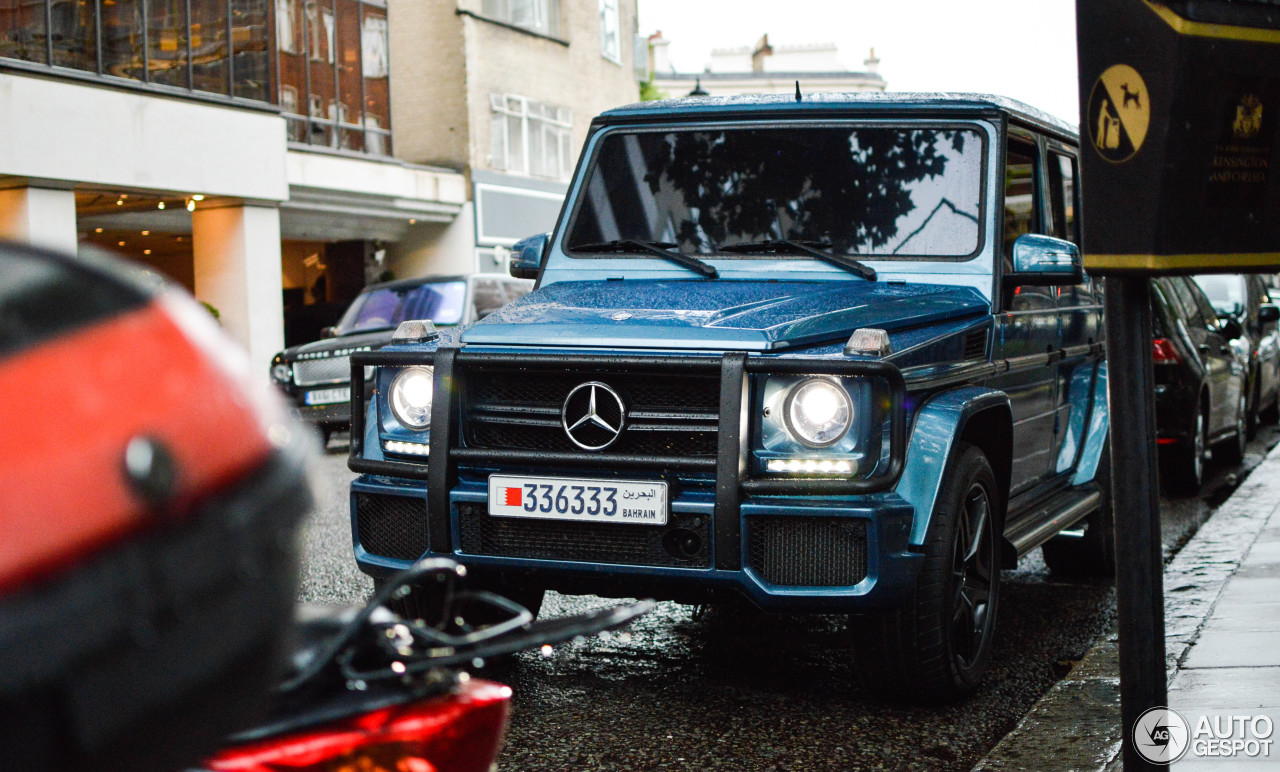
[[818, 412], [410, 397], [282, 372]]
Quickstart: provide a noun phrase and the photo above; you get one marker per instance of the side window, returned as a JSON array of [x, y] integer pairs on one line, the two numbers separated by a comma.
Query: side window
[[1207, 312], [1020, 194], [1021, 208], [1186, 299], [1062, 196]]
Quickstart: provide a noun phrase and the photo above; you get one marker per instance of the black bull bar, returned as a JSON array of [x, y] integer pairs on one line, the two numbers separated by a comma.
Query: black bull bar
[[729, 464]]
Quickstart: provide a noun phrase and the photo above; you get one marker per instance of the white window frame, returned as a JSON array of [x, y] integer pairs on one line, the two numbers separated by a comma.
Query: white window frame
[[610, 25], [555, 123]]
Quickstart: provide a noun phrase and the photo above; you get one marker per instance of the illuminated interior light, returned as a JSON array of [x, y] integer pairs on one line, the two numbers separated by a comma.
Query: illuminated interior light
[[146, 251], [97, 230], [119, 243], [146, 233], [191, 205], [160, 205], [197, 197]]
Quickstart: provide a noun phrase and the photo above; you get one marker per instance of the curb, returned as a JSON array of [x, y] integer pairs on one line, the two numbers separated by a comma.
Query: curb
[[1076, 724]]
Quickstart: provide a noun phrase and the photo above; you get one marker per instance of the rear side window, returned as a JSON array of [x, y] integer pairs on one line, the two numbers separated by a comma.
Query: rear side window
[[1062, 196], [1020, 194]]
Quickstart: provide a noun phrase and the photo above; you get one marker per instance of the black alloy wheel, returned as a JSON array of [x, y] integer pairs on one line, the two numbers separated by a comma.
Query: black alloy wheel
[[1233, 448], [1185, 463], [935, 648], [972, 571]]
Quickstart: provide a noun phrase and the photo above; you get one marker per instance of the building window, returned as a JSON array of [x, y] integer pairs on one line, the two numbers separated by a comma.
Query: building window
[[217, 47], [610, 37], [531, 137], [336, 53], [542, 16]]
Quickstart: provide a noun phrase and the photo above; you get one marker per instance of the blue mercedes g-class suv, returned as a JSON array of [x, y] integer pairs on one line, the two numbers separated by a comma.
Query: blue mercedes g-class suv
[[832, 353]]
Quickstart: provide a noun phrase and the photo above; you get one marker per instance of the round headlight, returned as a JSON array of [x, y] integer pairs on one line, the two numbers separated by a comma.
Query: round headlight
[[281, 371], [410, 397], [818, 412]]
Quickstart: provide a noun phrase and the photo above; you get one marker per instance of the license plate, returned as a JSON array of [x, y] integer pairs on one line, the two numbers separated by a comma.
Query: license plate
[[328, 396], [566, 498]]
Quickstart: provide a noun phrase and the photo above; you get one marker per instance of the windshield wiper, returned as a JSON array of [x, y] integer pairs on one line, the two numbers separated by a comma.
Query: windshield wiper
[[815, 249], [659, 248]]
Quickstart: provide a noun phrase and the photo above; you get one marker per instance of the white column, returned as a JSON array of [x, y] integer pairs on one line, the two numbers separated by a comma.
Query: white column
[[41, 216], [237, 271]]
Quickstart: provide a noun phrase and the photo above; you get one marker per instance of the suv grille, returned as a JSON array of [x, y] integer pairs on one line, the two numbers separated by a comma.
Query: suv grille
[[667, 414], [308, 372], [683, 542], [808, 551]]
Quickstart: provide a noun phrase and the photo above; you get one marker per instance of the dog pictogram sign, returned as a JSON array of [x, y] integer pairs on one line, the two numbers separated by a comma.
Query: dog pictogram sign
[[1119, 113]]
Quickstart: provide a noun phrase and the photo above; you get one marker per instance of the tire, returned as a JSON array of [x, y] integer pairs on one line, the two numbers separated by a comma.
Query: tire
[[1185, 462], [936, 647], [1232, 449], [1093, 554], [427, 604]]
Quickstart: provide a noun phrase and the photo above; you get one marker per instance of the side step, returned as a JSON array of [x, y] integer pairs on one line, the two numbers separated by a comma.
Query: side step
[[1044, 521]]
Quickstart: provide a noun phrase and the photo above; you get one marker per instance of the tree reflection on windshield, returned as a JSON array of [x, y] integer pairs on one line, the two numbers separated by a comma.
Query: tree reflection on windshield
[[883, 192]]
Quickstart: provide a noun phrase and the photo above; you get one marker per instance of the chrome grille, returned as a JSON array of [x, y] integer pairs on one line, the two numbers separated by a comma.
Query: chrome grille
[[309, 372], [668, 414]]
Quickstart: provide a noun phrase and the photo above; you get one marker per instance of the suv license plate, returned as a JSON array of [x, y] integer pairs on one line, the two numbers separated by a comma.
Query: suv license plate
[[568, 498], [328, 396]]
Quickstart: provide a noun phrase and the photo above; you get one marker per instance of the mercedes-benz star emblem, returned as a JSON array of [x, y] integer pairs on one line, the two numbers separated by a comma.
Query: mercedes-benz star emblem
[[593, 415]]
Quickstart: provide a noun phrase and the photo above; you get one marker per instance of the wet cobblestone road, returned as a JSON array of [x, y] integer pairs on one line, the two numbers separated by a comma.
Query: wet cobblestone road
[[743, 691]]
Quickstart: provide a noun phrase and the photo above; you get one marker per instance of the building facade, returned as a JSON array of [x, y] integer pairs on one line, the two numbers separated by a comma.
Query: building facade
[[763, 68], [247, 148], [505, 90]]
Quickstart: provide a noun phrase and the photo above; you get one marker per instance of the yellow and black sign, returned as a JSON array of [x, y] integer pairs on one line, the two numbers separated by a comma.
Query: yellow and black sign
[[1179, 101], [1119, 113]]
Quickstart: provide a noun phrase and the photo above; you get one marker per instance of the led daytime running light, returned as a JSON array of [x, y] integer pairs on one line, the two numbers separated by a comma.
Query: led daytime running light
[[811, 466], [407, 448]]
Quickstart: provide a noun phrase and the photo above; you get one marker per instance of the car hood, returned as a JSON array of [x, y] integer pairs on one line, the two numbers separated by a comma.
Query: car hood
[[730, 315], [339, 346]]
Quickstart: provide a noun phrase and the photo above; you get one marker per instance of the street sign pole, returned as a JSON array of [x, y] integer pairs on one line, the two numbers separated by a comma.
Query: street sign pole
[[1139, 563]]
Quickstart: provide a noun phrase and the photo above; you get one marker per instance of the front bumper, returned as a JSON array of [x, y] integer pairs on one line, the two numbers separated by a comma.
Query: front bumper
[[863, 539], [821, 545]]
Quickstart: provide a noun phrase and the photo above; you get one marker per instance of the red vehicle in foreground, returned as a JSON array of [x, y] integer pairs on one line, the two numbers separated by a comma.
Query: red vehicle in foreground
[[151, 492]]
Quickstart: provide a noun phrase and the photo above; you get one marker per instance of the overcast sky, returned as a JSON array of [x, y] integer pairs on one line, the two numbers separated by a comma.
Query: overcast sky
[[1018, 48]]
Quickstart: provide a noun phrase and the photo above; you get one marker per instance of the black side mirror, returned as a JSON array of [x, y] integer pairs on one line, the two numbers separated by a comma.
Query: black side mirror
[[1231, 328], [328, 332], [526, 256], [1268, 313]]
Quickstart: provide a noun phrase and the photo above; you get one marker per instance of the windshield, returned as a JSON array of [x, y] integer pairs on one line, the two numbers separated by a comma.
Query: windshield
[[888, 193], [380, 309], [1225, 292]]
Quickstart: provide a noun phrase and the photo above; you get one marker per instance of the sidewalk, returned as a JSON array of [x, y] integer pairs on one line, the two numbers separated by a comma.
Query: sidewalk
[[1222, 644]]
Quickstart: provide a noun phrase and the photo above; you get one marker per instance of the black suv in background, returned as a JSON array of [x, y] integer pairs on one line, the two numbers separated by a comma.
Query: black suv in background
[[1201, 371], [317, 376], [1246, 299]]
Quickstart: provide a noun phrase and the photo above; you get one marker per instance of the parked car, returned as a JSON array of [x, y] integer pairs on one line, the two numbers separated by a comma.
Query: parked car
[[317, 376], [833, 353], [1201, 379], [1246, 298]]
